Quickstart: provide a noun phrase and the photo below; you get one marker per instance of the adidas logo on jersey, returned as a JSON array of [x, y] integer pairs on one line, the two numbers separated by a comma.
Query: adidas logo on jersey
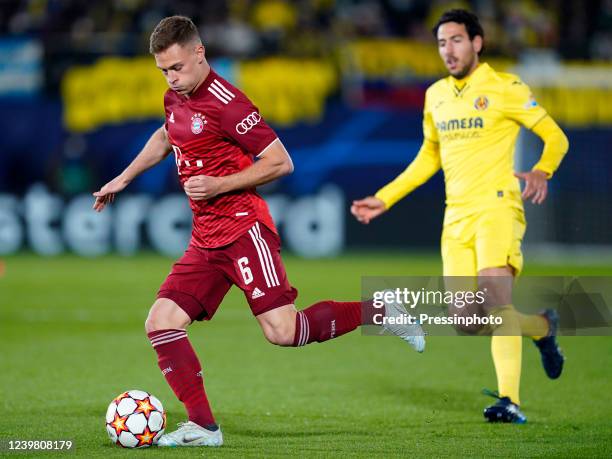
[[171, 119], [166, 370], [257, 293]]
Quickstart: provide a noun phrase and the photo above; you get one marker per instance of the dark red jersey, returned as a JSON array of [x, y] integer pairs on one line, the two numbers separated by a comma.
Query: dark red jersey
[[217, 131]]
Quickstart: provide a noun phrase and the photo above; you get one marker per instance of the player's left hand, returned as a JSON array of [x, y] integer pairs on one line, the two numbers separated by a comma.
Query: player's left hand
[[106, 194], [201, 187], [536, 185]]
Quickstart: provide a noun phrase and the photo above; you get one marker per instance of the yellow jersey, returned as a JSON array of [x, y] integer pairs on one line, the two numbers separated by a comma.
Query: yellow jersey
[[470, 127]]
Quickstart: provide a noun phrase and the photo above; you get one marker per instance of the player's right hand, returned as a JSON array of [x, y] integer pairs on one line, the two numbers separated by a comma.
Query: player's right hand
[[106, 195], [367, 209]]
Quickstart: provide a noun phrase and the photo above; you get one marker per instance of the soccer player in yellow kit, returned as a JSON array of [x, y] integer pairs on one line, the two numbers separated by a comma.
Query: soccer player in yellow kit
[[471, 122]]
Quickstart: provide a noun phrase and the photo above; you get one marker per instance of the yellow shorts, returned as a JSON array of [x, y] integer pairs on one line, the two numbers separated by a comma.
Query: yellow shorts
[[488, 239]]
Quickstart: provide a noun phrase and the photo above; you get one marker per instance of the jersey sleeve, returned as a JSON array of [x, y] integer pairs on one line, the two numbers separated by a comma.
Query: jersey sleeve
[[422, 168], [521, 106], [429, 127], [555, 145], [242, 123]]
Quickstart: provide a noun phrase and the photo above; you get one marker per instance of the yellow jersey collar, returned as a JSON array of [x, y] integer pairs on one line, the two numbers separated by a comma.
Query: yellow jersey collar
[[459, 85]]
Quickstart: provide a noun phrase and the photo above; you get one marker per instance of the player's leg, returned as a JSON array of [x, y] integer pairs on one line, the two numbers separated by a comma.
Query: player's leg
[[497, 245], [459, 255], [320, 322], [506, 343], [192, 291], [257, 268], [541, 328], [166, 314], [459, 269], [327, 320], [278, 325], [499, 238], [532, 325]]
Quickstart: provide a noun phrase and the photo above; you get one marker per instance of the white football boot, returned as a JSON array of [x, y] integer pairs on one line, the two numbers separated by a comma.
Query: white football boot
[[413, 334], [191, 434]]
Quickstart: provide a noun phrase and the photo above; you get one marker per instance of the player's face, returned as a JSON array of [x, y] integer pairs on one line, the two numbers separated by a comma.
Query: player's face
[[459, 53], [182, 66]]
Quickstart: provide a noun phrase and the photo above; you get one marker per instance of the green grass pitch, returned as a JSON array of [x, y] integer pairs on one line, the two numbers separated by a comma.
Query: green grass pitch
[[72, 338]]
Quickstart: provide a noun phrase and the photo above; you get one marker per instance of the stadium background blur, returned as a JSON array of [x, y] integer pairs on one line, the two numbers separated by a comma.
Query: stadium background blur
[[342, 82]]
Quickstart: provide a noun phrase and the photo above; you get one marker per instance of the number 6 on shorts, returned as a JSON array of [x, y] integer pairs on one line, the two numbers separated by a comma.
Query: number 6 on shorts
[[247, 275]]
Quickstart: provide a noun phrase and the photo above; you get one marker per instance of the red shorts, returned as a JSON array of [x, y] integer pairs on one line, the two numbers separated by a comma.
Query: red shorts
[[201, 277]]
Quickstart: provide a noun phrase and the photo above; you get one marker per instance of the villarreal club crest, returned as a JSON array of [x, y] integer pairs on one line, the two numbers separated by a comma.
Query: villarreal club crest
[[481, 103]]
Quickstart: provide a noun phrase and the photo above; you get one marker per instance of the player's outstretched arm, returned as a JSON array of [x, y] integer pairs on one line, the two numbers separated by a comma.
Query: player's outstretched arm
[[154, 151], [273, 162], [426, 164]]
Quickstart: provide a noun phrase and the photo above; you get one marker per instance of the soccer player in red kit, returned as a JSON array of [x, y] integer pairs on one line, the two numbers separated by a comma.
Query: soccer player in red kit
[[216, 133]]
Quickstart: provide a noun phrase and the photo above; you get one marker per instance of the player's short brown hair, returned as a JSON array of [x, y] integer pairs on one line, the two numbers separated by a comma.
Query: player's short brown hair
[[460, 16], [172, 30]]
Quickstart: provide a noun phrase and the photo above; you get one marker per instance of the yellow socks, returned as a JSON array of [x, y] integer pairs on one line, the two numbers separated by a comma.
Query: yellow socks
[[507, 346], [533, 325], [506, 349]]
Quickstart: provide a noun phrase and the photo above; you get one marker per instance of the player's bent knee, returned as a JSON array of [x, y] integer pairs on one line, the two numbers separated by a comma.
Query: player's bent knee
[[166, 314], [278, 325], [281, 334], [497, 283]]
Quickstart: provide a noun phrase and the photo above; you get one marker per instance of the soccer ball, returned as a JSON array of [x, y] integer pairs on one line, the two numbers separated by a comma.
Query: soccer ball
[[135, 419]]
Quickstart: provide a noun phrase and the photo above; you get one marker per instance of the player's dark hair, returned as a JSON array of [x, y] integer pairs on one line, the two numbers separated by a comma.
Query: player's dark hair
[[172, 30], [467, 18]]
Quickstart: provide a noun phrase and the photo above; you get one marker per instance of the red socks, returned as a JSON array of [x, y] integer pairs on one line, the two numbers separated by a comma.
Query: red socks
[[326, 320], [181, 367]]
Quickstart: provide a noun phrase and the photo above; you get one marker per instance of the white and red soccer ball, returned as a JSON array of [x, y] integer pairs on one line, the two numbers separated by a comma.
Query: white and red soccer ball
[[135, 419]]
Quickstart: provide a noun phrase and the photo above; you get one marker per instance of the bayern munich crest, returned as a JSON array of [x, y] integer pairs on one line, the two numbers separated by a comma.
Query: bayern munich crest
[[481, 103], [197, 123]]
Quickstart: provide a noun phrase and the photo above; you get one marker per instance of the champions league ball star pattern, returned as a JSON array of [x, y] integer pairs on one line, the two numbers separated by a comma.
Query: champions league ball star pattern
[[135, 419]]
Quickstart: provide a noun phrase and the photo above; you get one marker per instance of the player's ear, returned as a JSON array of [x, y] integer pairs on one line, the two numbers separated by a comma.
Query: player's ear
[[477, 44], [201, 53]]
